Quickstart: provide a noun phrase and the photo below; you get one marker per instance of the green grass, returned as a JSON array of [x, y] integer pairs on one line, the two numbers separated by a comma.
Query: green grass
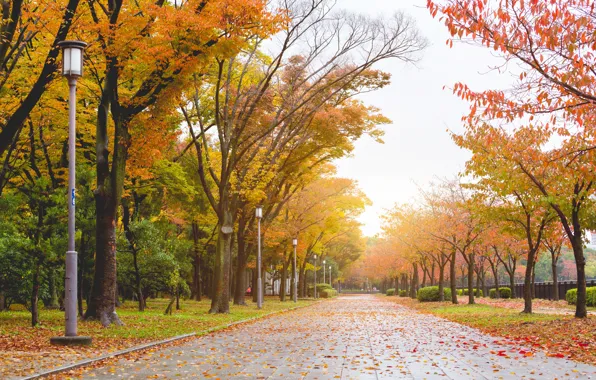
[[150, 324], [488, 316]]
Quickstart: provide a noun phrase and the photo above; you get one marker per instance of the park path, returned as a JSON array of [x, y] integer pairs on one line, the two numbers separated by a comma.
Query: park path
[[351, 337]]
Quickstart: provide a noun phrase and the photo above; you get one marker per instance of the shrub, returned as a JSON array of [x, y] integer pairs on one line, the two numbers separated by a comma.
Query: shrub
[[431, 294], [328, 293], [390, 292], [320, 288], [403, 293], [476, 292], [460, 292], [503, 292], [571, 296]]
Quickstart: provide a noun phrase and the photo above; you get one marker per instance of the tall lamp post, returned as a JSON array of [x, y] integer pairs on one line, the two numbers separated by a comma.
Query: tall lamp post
[[324, 271], [72, 69], [295, 284], [259, 215], [330, 282], [315, 287]]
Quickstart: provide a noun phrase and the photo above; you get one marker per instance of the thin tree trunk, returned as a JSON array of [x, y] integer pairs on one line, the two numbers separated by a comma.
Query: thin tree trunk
[[471, 279], [241, 263], [441, 285], [53, 304], [35, 294], [555, 277], [452, 278], [528, 284]]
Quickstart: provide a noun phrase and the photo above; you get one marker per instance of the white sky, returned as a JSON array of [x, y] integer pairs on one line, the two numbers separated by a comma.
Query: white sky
[[417, 145]]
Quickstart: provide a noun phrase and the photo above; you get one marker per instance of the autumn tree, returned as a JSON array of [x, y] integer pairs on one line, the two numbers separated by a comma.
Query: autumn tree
[[552, 43]]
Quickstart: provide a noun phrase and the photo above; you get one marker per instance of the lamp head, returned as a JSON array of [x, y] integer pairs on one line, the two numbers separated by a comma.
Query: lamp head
[[72, 58], [259, 212], [294, 242]]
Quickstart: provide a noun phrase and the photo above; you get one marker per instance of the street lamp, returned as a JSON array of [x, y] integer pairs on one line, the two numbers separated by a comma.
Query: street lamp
[[259, 215], [324, 270], [330, 282], [315, 288], [72, 69], [295, 285]]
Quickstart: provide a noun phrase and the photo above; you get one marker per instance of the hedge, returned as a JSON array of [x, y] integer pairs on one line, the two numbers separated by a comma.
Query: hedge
[[320, 288], [403, 293], [476, 291], [390, 292], [431, 294], [504, 292], [328, 293], [571, 296], [460, 292]]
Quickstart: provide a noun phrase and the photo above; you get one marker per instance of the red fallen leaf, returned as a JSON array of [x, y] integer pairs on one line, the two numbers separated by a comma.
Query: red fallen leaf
[[441, 342], [475, 347], [583, 345], [557, 355]]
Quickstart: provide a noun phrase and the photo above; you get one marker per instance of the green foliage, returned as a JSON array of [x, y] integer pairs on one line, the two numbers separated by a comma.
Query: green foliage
[[403, 293], [390, 292], [477, 292], [431, 294], [503, 292], [328, 293], [459, 292], [320, 288], [571, 296]]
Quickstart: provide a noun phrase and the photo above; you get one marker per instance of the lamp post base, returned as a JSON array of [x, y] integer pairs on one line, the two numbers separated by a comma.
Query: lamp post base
[[71, 340]]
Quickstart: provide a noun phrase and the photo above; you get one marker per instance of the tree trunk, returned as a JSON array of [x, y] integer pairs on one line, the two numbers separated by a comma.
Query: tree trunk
[[102, 303], [35, 295], [220, 303], [533, 280], [581, 310], [495, 269], [196, 277], [241, 262], [2, 301], [452, 278], [441, 286], [555, 277], [432, 274], [53, 304], [528, 284], [255, 279], [471, 279], [284, 276]]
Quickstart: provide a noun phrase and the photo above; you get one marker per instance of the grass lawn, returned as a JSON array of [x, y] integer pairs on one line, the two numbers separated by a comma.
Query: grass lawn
[[555, 334], [25, 349]]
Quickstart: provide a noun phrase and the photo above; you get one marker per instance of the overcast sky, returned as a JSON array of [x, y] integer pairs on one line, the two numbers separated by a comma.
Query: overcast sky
[[417, 146]]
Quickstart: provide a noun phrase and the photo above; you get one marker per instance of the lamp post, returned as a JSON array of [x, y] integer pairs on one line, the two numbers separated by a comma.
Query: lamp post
[[259, 215], [315, 287], [330, 282], [72, 69], [324, 271], [295, 284]]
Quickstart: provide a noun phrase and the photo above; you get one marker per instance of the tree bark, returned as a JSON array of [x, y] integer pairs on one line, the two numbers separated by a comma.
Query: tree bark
[[452, 278], [441, 285], [241, 263], [471, 260], [53, 303], [220, 303], [196, 278], [35, 294], [555, 277]]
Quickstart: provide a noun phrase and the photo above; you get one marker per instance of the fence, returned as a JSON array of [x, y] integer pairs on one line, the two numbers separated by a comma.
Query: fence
[[545, 290]]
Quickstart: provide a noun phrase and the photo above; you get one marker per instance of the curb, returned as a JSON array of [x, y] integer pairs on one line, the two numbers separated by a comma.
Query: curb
[[82, 363]]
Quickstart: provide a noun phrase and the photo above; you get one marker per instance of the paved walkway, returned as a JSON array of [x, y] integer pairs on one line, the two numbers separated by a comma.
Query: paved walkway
[[352, 337]]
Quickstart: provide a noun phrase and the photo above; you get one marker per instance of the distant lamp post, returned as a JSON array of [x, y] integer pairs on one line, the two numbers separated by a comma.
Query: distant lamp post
[[324, 271], [330, 282], [295, 282], [315, 287], [72, 69], [259, 215]]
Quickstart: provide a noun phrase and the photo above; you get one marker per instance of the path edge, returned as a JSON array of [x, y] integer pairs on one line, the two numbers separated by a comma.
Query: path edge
[[141, 347]]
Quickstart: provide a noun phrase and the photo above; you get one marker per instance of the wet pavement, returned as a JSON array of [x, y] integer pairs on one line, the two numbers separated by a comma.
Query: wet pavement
[[351, 337]]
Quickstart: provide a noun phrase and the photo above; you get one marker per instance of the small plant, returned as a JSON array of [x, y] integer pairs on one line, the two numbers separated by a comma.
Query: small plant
[[503, 293], [320, 288], [431, 294], [460, 292], [403, 293], [390, 292]]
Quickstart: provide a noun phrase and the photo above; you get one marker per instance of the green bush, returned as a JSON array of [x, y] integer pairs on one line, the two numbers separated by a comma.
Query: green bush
[[390, 292], [571, 296], [320, 288], [504, 293], [431, 294], [476, 292], [460, 292], [328, 293], [403, 293]]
